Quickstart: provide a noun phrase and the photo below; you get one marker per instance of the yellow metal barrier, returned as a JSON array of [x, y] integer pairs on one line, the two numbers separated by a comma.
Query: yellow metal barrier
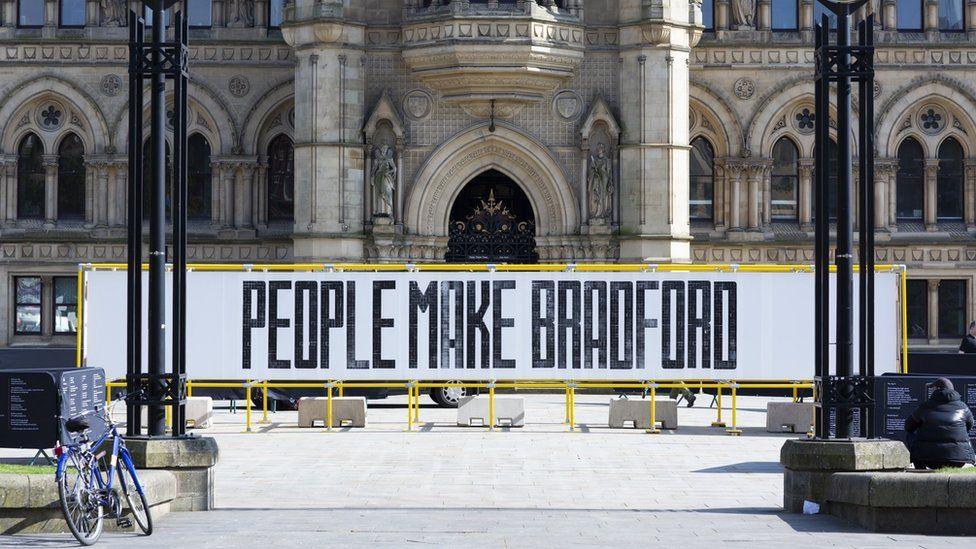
[[653, 430]]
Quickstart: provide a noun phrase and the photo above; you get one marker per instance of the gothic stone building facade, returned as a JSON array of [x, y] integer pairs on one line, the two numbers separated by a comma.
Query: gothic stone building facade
[[483, 130]]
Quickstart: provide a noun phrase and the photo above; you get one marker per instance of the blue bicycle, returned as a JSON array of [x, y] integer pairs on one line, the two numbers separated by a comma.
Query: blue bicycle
[[86, 481]]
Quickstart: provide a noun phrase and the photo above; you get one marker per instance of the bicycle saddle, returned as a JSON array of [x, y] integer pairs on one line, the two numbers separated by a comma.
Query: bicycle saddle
[[77, 425]]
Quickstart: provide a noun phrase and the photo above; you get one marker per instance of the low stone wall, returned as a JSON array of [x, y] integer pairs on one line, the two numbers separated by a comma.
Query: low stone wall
[[914, 502], [29, 503]]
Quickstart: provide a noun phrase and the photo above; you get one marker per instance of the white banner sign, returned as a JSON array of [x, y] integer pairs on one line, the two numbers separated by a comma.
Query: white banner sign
[[480, 326]]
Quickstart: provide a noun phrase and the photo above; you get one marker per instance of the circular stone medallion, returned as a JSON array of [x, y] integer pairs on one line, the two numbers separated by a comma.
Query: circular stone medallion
[[417, 104], [744, 88], [567, 105]]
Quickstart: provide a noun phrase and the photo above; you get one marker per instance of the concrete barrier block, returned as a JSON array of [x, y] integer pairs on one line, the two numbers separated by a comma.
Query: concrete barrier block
[[909, 490], [638, 411], [199, 412], [473, 411], [346, 411], [789, 417]]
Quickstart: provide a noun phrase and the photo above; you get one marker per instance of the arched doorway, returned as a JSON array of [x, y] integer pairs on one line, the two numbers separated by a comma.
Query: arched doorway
[[492, 221]]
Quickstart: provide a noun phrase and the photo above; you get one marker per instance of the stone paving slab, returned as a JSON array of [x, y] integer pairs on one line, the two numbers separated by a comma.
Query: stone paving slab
[[540, 485]]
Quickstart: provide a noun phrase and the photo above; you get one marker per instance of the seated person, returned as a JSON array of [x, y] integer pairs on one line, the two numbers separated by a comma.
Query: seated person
[[938, 431], [968, 345]]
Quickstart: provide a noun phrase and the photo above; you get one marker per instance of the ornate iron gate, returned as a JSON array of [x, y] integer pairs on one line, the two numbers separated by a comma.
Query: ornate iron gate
[[492, 222]]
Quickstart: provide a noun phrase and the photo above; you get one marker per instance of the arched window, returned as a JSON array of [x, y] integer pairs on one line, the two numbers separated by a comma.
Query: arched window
[[147, 179], [784, 15], [950, 183], [951, 16], [281, 179], [198, 185], [71, 178], [910, 180], [784, 180], [30, 13], [72, 13], [909, 15], [702, 179], [30, 178]]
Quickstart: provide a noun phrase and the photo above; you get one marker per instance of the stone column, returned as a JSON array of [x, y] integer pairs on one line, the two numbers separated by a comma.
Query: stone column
[[216, 189], [765, 15], [931, 16], [969, 194], [11, 211], [767, 191], [735, 172], [805, 193], [654, 155], [718, 195], [806, 15], [889, 18], [970, 14], [118, 197], [721, 14], [329, 164], [91, 182], [244, 197], [931, 193], [933, 304], [884, 185], [259, 194], [8, 13], [219, 19], [100, 217], [50, 162], [228, 175], [261, 14], [4, 184], [756, 172]]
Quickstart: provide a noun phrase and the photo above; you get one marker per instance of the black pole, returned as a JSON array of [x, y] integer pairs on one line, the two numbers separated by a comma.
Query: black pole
[[845, 232], [179, 221], [157, 228], [822, 221], [134, 237]]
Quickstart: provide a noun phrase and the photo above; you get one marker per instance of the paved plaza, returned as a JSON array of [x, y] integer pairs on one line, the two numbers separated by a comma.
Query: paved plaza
[[534, 486]]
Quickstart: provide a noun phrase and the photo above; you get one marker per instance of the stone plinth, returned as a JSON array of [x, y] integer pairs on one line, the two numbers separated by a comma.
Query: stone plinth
[[809, 464], [190, 459]]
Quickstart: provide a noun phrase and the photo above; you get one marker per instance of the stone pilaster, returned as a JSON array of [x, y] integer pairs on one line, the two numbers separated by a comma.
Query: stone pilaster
[[969, 195], [736, 170], [117, 194], [719, 195], [933, 304], [50, 162], [244, 196], [805, 191], [329, 159], [757, 177], [9, 212], [654, 150], [889, 15], [884, 188], [931, 193], [101, 192]]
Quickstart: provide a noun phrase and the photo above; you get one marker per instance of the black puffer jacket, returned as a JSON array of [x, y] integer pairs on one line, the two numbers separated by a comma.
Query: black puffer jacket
[[941, 426]]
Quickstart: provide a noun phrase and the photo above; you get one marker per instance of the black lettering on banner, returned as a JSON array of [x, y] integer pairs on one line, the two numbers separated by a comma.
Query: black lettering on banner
[[597, 342], [644, 322], [452, 339], [476, 326], [499, 323], [673, 325], [569, 321], [251, 321], [699, 323], [725, 358], [423, 302], [621, 290], [303, 288], [274, 323], [330, 293], [543, 289], [351, 362], [379, 323]]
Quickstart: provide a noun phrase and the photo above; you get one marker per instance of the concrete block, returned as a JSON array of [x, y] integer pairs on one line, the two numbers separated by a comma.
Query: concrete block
[[909, 490], [638, 411], [189, 459], [473, 411], [962, 491], [346, 411], [199, 412], [789, 417], [840, 455], [853, 488]]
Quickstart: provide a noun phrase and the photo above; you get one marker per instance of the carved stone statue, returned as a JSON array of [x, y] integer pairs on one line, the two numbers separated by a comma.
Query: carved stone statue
[[743, 13], [243, 11], [599, 179], [383, 178], [114, 13]]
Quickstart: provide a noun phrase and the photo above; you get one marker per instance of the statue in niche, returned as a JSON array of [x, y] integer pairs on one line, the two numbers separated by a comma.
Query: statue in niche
[[243, 14], [599, 179], [383, 178], [115, 12], [743, 13]]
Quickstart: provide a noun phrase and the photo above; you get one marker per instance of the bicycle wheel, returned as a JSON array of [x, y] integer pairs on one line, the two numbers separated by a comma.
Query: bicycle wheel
[[80, 501], [135, 498]]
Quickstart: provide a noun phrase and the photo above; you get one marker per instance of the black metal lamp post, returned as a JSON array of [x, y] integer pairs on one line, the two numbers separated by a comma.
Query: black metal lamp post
[[156, 61], [839, 394]]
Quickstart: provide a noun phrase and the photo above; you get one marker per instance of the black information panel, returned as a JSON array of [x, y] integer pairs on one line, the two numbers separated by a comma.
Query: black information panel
[[898, 396], [32, 403], [855, 426]]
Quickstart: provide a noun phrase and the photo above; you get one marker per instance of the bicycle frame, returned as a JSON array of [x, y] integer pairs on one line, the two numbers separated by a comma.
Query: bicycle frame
[[118, 451]]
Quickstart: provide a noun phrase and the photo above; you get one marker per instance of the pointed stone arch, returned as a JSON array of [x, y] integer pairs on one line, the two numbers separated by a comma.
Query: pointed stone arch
[[82, 117], [901, 116], [726, 134], [475, 150]]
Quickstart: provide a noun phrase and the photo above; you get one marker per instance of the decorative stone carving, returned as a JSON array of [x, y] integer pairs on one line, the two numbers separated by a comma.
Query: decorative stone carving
[[239, 86], [418, 105], [114, 13], [804, 119], [744, 13], [243, 13], [567, 105], [383, 178], [744, 88], [932, 119], [600, 184], [110, 85], [50, 116]]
